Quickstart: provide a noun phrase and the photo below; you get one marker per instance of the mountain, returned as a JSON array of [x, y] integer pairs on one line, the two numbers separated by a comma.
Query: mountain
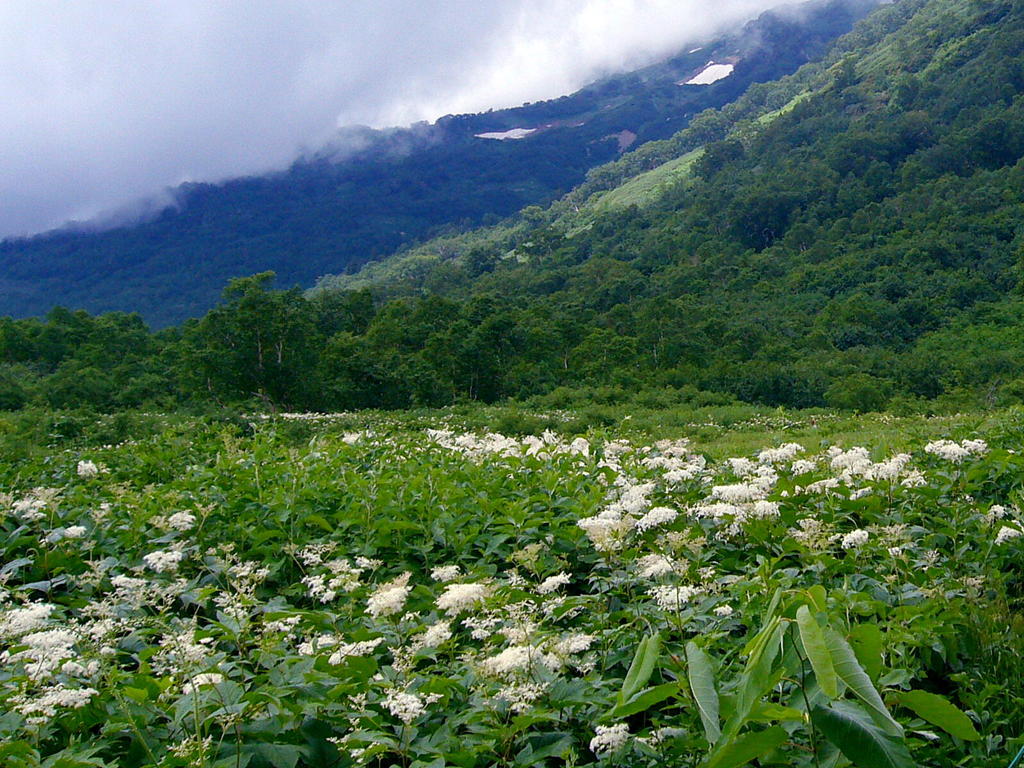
[[847, 235], [850, 235], [373, 192]]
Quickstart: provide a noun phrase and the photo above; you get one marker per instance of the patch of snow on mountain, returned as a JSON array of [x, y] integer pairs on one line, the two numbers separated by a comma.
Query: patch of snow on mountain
[[515, 133], [712, 73]]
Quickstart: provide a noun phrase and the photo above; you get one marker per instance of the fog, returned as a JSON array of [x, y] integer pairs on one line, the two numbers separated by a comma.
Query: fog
[[106, 104]]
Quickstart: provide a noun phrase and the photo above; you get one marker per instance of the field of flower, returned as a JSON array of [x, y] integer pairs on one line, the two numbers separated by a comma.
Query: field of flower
[[382, 592]]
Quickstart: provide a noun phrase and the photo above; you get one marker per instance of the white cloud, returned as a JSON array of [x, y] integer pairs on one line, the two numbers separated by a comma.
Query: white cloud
[[103, 102]]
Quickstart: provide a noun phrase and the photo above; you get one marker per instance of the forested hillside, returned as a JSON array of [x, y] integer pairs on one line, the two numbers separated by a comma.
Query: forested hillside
[[848, 236], [372, 192]]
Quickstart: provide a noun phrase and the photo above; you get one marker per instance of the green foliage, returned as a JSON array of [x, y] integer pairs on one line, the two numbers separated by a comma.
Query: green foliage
[[269, 592]]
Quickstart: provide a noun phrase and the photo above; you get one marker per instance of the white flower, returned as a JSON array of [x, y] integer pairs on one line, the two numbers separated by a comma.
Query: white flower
[[802, 467], [609, 738], [551, 583], [205, 678], [724, 610], [513, 659], [163, 561], [656, 517], [948, 450], [87, 469], [436, 635], [672, 598], [389, 598], [445, 573], [462, 597], [405, 706], [855, 539], [362, 648], [738, 493], [653, 566], [782, 453], [1006, 534], [181, 521], [74, 532]]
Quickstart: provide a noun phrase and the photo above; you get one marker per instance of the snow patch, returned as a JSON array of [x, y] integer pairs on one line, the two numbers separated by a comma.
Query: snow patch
[[712, 73], [515, 133]]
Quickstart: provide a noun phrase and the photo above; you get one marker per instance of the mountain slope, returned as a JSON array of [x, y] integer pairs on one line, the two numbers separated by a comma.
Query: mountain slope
[[851, 233], [378, 191]]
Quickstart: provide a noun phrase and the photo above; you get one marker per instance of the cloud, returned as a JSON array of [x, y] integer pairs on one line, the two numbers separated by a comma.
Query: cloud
[[107, 102]]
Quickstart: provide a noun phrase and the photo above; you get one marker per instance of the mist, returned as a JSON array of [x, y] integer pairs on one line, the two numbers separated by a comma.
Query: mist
[[107, 104]]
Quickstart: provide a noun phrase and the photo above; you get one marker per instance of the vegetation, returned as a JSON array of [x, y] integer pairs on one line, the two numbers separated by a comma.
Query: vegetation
[[394, 590]]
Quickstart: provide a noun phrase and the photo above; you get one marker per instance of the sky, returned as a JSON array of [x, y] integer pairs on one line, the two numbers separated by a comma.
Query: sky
[[107, 104]]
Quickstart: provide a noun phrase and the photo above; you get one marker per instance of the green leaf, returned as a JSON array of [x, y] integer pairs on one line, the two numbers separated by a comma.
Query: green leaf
[[644, 700], [813, 639], [702, 685], [850, 672], [757, 678], [867, 641], [748, 747], [642, 668], [819, 597], [940, 712], [852, 729], [542, 746]]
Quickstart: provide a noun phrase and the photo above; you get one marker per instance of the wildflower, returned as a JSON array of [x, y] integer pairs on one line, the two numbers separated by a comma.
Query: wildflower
[[656, 517], [741, 467], [855, 539], [181, 521], [672, 598], [785, 452], [362, 648], [1006, 533], [462, 597], [205, 678], [405, 706], [521, 695], [948, 450], [653, 566], [738, 493], [513, 659], [551, 583], [995, 512], [74, 532], [802, 467], [724, 611], [42, 707], [163, 561], [389, 598], [87, 469], [445, 573], [609, 738], [436, 635]]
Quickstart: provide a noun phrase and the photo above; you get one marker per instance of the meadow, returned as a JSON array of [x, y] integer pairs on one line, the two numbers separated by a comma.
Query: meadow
[[496, 587]]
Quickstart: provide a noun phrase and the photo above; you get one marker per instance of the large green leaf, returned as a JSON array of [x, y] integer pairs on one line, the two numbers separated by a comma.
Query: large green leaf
[[850, 672], [642, 667], [702, 686], [813, 639], [939, 711], [852, 729], [748, 747], [759, 676], [644, 700], [867, 641]]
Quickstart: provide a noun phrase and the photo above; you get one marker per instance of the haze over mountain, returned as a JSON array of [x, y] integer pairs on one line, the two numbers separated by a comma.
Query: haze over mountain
[[105, 103], [366, 193]]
